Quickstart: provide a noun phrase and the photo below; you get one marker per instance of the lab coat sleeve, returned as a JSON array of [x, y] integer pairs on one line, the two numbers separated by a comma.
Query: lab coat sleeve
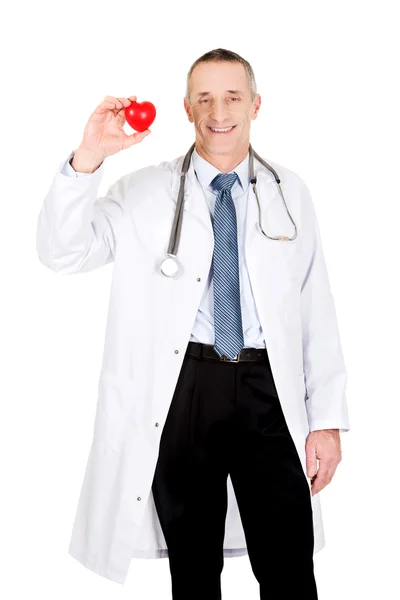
[[76, 229], [67, 169], [323, 361]]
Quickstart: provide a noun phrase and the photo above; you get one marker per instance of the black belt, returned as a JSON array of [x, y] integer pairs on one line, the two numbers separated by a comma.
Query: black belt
[[200, 351]]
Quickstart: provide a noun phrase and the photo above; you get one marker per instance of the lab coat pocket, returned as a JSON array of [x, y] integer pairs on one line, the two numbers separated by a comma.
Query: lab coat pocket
[[284, 253], [115, 399]]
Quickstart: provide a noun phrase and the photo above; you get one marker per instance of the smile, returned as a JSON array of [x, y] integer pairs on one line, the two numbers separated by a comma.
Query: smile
[[222, 130]]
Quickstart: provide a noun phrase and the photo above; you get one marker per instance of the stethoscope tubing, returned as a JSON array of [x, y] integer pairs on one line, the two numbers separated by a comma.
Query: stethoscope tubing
[[171, 260]]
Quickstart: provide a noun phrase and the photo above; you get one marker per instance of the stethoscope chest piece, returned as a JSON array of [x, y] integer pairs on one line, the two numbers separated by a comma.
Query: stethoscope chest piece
[[169, 267]]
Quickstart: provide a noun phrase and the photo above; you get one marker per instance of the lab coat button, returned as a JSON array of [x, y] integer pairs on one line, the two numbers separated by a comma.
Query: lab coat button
[[176, 351], [156, 424], [138, 498], [199, 279]]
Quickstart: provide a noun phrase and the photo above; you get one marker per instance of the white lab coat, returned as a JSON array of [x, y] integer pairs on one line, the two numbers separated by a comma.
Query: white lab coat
[[150, 320]]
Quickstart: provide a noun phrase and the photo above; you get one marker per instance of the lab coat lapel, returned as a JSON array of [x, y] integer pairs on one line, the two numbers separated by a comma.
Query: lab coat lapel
[[274, 218], [197, 237], [195, 203], [269, 261]]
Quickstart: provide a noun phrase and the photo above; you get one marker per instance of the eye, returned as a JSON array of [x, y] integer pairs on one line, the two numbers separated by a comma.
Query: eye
[[234, 98]]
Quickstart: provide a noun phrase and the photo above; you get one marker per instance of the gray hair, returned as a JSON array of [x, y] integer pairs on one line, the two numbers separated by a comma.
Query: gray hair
[[220, 54]]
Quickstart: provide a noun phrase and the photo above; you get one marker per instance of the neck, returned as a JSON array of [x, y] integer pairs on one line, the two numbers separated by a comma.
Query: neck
[[223, 162]]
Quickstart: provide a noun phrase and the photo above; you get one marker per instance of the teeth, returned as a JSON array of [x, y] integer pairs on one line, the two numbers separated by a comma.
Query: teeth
[[221, 130]]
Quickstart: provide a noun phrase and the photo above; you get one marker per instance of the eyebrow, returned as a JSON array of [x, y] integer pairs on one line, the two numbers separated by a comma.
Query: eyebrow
[[229, 92]]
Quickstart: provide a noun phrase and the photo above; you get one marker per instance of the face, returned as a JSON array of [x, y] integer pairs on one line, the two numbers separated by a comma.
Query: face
[[220, 97]]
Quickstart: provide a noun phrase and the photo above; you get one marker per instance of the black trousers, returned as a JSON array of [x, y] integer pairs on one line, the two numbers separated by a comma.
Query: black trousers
[[226, 418]]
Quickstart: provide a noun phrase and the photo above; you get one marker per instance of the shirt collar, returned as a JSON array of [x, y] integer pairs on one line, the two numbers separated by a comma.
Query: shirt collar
[[206, 172]]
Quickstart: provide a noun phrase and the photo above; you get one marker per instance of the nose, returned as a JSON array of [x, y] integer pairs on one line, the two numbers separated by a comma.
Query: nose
[[219, 113]]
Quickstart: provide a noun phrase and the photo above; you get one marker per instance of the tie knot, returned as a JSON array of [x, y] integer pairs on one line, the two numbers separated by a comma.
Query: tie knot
[[223, 181]]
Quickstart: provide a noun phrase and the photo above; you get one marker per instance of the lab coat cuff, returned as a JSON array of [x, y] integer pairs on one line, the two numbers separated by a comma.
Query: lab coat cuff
[[66, 170], [342, 426]]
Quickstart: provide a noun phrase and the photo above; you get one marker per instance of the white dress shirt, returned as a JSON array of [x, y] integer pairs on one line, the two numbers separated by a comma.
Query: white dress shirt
[[203, 328]]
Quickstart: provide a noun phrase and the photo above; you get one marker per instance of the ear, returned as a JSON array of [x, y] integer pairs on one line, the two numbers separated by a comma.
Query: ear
[[188, 110], [256, 106]]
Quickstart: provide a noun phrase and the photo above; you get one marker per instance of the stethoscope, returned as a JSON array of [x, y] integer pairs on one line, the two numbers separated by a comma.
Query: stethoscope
[[170, 265]]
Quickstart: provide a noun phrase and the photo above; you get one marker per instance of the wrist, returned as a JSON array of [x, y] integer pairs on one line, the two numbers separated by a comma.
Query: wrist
[[85, 161]]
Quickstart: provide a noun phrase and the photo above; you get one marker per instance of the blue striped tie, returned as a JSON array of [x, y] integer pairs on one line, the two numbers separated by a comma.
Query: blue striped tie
[[227, 312]]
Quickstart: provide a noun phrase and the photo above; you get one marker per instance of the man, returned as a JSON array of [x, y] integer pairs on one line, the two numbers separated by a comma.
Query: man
[[222, 387]]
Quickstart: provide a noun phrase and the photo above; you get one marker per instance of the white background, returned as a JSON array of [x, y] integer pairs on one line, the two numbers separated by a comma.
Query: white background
[[328, 76]]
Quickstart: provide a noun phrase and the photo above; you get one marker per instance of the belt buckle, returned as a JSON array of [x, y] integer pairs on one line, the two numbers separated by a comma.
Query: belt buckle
[[225, 358]]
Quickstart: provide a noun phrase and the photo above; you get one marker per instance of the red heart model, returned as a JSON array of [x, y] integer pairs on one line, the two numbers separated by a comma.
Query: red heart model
[[140, 115]]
